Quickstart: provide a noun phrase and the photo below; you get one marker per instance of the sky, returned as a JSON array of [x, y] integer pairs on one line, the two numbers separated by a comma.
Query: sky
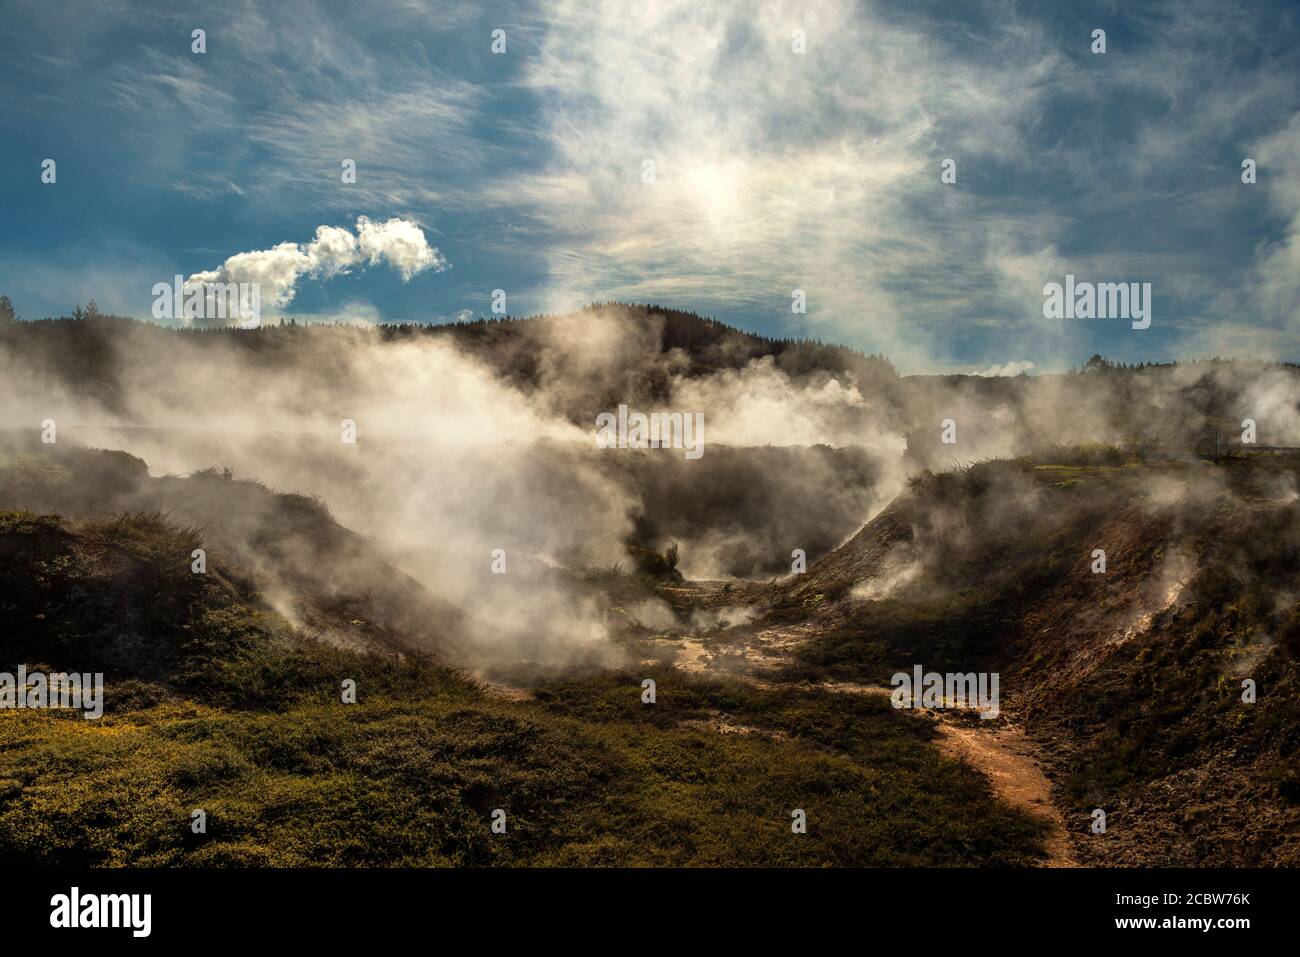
[[795, 146]]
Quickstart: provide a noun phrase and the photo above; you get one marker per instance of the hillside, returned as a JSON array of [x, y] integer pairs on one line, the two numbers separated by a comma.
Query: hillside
[[215, 702], [287, 547], [589, 361], [652, 345], [1131, 679], [423, 510]]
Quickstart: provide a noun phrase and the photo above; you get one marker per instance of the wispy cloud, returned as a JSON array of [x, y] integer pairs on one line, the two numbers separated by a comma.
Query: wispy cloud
[[774, 170]]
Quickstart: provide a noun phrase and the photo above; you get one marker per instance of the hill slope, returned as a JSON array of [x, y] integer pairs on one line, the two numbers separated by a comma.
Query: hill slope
[[1131, 677], [214, 703]]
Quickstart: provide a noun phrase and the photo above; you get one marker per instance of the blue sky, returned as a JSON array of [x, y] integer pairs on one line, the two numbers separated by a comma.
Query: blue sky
[[774, 170]]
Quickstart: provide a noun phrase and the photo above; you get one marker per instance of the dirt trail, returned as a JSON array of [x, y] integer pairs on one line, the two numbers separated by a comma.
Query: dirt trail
[[1010, 762], [1004, 755]]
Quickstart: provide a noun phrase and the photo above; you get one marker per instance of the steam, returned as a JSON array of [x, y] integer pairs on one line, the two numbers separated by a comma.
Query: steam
[[334, 251], [465, 452]]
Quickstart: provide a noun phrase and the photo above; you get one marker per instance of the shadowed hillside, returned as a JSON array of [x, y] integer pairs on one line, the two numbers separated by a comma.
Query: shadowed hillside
[[1133, 676], [424, 511], [214, 702]]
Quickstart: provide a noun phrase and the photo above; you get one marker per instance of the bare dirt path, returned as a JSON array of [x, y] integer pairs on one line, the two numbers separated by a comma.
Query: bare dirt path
[[1010, 762], [1006, 757], [1000, 751]]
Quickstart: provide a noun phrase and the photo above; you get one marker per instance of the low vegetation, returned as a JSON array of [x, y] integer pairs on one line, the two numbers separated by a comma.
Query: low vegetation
[[214, 703]]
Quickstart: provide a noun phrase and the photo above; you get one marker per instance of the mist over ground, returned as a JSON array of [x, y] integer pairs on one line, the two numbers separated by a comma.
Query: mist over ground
[[476, 440]]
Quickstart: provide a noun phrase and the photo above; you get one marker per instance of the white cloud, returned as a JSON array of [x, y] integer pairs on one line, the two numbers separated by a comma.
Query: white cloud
[[333, 251], [401, 242]]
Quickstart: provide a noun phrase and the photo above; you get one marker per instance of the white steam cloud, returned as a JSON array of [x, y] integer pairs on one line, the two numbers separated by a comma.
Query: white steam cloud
[[334, 251]]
